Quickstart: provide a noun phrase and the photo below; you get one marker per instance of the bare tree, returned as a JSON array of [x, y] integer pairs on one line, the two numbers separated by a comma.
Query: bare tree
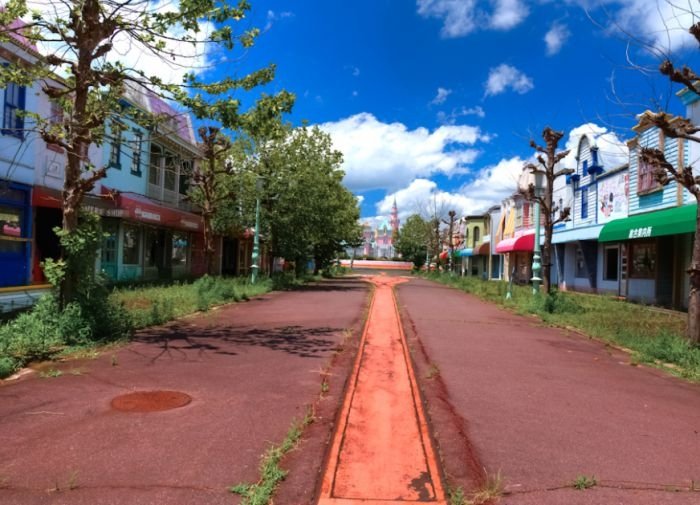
[[678, 127], [548, 158]]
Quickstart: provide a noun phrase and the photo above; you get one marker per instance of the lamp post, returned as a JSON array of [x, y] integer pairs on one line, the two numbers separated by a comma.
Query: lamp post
[[255, 256], [536, 256]]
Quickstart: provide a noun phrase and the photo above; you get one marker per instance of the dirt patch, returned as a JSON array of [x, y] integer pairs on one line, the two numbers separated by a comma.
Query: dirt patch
[[150, 401]]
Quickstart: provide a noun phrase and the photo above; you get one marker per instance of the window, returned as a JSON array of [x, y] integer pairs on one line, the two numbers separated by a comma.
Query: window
[[170, 174], [584, 203], [611, 261], [132, 245], [185, 173], [580, 270], [476, 236], [137, 146], [181, 244], [10, 222], [646, 182], [643, 260], [109, 244], [585, 168], [115, 148], [12, 120], [155, 166]]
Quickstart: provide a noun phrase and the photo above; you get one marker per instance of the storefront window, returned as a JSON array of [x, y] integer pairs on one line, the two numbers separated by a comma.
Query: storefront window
[[181, 245], [643, 260], [152, 246], [109, 244], [132, 245], [10, 222]]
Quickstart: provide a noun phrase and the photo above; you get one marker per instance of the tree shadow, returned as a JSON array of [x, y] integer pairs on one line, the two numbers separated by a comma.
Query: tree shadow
[[184, 339]]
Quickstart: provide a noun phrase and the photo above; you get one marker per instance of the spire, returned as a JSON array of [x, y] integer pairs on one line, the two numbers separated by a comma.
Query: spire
[[394, 218]]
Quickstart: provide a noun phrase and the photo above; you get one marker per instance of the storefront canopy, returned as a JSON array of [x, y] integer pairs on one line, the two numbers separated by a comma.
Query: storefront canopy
[[673, 221], [483, 250], [524, 242], [465, 252]]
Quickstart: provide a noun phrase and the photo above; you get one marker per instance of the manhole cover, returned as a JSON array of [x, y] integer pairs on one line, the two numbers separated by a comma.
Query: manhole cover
[[150, 401]]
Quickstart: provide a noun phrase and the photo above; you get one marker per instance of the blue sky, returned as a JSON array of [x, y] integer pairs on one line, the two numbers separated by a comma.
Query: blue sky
[[443, 95]]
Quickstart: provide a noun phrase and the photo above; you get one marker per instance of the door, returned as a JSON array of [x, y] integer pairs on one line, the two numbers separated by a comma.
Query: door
[[15, 241]]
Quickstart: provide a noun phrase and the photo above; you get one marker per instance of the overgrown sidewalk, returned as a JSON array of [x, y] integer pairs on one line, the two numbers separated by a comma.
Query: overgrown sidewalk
[[653, 336], [250, 369]]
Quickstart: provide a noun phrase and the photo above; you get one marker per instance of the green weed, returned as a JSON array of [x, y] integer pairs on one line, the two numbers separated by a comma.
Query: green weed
[[433, 371], [50, 373], [584, 482], [271, 474]]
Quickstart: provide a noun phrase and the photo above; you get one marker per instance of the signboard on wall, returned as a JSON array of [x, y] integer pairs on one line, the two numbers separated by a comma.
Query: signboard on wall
[[613, 198]]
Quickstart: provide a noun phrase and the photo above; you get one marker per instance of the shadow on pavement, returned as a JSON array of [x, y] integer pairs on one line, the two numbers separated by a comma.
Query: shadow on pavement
[[184, 338]]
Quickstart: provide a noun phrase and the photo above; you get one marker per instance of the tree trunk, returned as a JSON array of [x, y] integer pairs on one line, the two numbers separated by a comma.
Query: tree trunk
[[208, 242], [694, 296]]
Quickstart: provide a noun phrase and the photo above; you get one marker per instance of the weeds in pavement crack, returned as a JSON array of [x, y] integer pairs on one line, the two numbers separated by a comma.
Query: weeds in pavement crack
[[433, 371], [584, 482], [271, 474]]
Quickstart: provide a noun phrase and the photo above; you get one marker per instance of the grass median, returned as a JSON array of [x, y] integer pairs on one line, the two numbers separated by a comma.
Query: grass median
[[654, 336]]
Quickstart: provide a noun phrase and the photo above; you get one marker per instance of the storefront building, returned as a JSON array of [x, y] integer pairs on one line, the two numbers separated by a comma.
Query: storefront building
[[654, 243]]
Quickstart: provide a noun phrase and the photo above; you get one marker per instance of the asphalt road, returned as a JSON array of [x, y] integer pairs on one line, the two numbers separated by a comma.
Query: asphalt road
[[539, 408]]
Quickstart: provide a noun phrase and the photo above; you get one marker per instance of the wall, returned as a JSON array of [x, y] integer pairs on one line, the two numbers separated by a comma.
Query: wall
[[663, 198]]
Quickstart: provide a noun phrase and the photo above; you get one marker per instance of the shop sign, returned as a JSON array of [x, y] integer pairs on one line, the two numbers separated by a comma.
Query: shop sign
[[101, 211], [144, 214], [190, 225], [642, 232]]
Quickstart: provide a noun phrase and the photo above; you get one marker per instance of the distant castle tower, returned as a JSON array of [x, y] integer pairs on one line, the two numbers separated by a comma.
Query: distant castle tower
[[394, 220]]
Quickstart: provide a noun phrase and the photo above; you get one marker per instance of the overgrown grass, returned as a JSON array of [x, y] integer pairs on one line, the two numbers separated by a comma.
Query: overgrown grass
[[271, 474], [652, 335], [148, 306], [46, 332]]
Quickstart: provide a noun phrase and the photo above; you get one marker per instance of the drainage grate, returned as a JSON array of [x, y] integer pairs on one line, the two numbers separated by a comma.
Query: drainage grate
[[150, 401]]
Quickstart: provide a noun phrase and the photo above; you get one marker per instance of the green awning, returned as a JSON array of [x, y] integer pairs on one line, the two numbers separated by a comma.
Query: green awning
[[673, 221]]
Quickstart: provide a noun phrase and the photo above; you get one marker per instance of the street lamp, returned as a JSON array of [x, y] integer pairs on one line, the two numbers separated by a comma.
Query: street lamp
[[255, 256], [536, 257]]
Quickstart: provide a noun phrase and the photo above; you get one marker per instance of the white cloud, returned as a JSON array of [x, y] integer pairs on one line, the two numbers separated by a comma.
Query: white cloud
[[612, 151], [451, 117], [504, 77], [491, 186], [442, 94], [555, 38], [664, 23], [418, 198], [462, 17], [273, 16], [508, 14], [381, 155], [495, 183]]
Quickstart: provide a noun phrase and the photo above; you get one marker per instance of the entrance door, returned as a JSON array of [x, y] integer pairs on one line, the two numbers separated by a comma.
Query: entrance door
[[15, 241], [229, 257]]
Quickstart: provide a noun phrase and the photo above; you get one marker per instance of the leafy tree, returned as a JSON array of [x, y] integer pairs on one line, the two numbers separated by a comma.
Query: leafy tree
[[413, 238], [83, 40], [548, 157], [678, 127], [307, 213]]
